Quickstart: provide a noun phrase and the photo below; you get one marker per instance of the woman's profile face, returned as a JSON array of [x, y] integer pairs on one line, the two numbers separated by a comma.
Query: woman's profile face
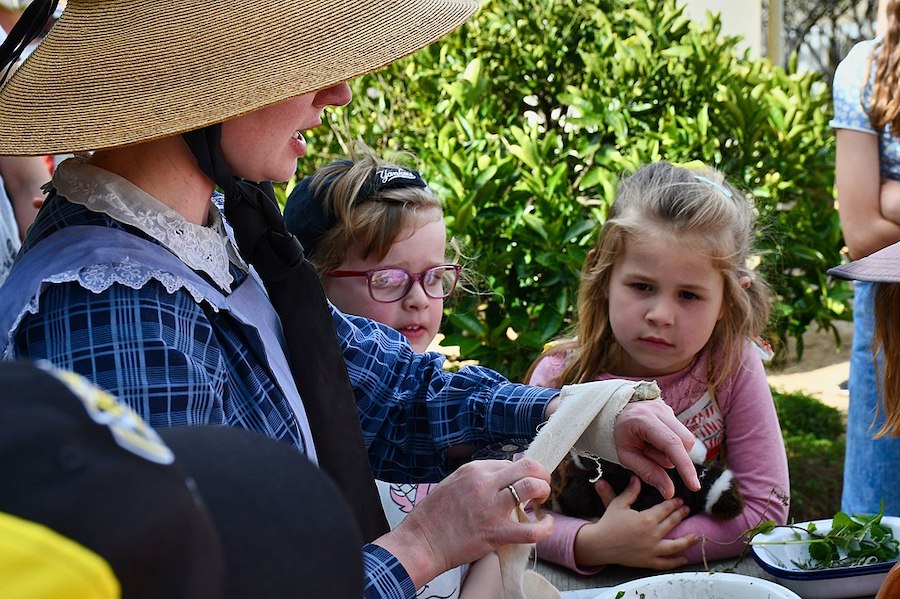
[[264, 145]]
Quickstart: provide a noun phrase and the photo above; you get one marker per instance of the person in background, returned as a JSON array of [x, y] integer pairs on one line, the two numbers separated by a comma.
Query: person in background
[[129, 278], [867, 179], [375, 232], [882, 269], [21, 177], [666, 295]]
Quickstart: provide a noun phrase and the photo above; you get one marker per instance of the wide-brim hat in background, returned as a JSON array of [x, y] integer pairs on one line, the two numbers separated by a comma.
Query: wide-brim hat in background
[[116, 72], [882, 266], [90, 494]]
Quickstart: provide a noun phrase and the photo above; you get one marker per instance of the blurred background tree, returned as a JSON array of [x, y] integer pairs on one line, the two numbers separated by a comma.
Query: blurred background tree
[[525, 119], [822, 32]]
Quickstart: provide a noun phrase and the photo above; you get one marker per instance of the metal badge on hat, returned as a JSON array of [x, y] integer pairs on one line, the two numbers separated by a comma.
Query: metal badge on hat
[[128, 429]]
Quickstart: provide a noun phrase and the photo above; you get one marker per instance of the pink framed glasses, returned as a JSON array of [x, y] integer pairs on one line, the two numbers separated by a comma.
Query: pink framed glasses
[[387, 285]]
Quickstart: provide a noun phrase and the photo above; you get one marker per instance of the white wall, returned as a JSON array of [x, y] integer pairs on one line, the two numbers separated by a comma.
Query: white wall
[[739, 17]]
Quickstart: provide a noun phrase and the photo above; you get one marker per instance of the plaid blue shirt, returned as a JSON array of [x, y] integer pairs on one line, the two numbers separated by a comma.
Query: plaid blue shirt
[[176, 361]]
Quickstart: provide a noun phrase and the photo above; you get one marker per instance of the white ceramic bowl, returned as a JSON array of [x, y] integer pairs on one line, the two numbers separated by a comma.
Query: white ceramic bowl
[[827, 583], [693, 585]]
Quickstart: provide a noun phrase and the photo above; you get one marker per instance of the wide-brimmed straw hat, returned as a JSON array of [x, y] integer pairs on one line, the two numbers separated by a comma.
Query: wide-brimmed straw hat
[[116, 72], [881, 267]]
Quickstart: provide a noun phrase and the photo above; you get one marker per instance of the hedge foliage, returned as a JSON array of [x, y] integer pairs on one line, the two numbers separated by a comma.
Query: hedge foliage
[[525, 119], [815, 443]]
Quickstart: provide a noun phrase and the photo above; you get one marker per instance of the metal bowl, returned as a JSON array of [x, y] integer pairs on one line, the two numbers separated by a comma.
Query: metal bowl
[[691, 585], [825, 583]]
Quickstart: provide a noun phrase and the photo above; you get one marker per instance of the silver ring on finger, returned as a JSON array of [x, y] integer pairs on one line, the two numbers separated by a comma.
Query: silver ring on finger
[[515, 496]]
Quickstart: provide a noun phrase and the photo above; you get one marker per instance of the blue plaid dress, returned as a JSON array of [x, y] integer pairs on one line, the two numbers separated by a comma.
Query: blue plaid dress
[[177, 359]]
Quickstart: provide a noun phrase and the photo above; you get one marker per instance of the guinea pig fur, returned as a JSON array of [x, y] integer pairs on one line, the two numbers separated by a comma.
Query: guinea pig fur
[[573, 490]]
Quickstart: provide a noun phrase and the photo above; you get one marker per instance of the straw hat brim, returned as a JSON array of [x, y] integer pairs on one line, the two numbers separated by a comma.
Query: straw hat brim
[[117, 72]]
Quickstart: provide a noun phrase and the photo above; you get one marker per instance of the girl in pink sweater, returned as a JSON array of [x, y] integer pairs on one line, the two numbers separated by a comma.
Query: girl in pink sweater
[[667, 294]]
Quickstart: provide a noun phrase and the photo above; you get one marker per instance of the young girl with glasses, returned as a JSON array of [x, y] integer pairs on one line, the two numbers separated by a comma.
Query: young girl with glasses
[[668, 294], [375, 233]]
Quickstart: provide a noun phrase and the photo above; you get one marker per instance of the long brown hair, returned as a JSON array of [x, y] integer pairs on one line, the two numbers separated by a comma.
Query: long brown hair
[[887, 344], [695, 205], [884, 107]]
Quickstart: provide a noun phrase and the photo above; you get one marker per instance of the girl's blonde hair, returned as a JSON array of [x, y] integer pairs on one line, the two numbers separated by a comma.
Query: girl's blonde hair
[[884, 107], [371, 223], [693, 206]]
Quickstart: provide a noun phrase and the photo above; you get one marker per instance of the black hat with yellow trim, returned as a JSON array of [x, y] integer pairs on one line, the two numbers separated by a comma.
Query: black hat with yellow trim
[[95, 503]]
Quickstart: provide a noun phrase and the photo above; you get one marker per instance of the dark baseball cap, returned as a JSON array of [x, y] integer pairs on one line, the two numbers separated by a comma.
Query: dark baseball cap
[[305, 214], [94, 499]]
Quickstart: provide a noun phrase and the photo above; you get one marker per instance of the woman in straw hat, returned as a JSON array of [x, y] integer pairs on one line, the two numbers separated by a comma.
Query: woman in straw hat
[[129, 278]]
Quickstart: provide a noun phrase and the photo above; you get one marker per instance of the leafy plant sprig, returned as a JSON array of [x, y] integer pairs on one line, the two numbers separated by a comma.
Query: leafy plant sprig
[[852, 540]]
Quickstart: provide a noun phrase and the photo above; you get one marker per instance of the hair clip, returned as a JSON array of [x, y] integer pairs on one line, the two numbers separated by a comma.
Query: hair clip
[[726, 192], [763, 348], [389, 177]]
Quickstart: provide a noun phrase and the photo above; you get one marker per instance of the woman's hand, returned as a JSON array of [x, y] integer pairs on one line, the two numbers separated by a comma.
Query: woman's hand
[[632, 538], [468, 515], [649, 438]]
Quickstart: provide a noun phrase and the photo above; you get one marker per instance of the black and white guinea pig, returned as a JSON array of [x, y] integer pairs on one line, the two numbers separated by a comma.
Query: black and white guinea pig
[[573, 490]]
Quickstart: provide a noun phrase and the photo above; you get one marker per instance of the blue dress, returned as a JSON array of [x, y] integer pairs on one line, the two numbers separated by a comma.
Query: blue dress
[[870, 465], [197, 344]]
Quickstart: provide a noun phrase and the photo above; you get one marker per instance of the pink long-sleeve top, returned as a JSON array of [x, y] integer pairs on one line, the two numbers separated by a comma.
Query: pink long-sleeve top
[[744, 416]]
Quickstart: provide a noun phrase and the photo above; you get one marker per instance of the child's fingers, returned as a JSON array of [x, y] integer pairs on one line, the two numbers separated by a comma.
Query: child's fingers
[[627, 497], [605, 491], [673, 518], [670, 508], [674, 547], [666, 515]]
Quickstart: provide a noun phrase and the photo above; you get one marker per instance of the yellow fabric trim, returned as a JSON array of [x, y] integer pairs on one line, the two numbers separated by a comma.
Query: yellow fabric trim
[[38, 563]]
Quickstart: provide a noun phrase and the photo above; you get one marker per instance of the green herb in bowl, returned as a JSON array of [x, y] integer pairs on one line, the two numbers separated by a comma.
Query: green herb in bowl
[[852, 540]]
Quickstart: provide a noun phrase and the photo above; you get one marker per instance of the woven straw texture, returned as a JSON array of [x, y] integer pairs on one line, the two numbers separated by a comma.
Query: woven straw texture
[[116, 72]]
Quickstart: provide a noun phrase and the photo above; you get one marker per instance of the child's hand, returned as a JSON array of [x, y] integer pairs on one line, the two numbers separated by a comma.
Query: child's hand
[[631, 538]]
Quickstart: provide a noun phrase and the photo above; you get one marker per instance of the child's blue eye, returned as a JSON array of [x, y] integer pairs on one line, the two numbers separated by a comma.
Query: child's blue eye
[[689, 295], [641, 286]]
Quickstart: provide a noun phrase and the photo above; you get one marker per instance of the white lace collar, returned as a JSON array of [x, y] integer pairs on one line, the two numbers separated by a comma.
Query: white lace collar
[[203, 248]]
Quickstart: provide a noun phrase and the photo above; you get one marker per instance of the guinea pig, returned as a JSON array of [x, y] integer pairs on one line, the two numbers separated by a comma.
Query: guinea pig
[[573, 493]]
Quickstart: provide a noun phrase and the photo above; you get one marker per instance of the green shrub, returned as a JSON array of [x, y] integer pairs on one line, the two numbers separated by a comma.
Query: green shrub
[[800, 414], [526, 117], [814, 441]]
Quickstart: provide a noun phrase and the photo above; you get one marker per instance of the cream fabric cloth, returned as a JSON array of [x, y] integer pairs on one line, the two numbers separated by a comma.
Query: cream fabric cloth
[[584, 421]]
